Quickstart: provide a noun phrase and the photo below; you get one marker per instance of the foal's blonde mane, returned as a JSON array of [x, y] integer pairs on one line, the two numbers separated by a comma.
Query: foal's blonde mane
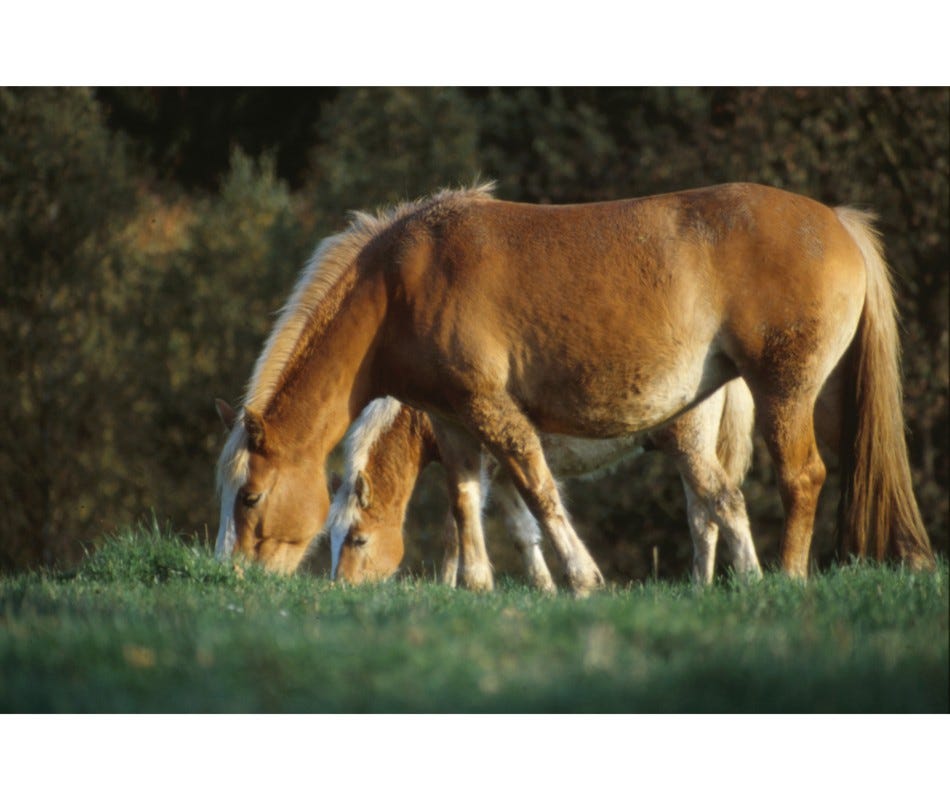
[[332, 258], [377, 418]]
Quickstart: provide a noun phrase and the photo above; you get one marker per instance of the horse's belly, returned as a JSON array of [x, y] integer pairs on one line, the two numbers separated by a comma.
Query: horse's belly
[[625, 400], [570, 457]]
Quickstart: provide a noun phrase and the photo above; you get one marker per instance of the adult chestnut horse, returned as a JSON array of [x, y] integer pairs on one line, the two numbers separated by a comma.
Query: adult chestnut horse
[[391, 444], [594, 321]]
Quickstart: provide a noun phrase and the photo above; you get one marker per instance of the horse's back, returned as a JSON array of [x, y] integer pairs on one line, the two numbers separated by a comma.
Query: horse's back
[[629, 310], [661, 254]]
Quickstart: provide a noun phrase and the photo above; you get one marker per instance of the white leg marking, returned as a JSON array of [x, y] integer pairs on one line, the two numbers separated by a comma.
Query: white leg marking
[[525, 531], [475, 570], [704, 533]]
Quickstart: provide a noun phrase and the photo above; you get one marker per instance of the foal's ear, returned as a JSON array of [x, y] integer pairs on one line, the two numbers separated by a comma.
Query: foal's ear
[[228, 415], [254, 425], [364, 494]]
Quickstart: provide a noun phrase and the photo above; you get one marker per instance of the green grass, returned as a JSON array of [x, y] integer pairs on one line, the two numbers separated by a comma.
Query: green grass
[[148, 624]]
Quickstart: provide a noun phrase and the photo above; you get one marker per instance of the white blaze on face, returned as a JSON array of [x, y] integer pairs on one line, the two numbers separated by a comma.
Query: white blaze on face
[[344, 514], [232, 474], [227, 532]]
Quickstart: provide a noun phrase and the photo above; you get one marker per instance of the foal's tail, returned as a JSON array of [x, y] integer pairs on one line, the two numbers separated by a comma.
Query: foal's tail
[[734, 445], [877, 515]]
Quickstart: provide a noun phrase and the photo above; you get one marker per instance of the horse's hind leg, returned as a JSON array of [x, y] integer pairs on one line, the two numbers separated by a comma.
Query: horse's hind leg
[[514, 442], [526, 533], [704, 533], [788, 428], [714, 506], [462, 458], [714, 499]]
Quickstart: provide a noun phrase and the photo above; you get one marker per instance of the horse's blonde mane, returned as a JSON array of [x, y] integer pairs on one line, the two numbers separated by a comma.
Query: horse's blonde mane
[[332, 257], [330, 260]]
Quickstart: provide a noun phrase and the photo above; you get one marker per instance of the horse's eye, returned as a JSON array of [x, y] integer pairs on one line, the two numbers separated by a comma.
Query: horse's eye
[[358, 540], [250, 500]]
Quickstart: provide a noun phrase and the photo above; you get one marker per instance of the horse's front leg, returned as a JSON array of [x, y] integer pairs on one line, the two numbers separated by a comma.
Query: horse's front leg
[[462, 458], [511, 437], [525, 531]]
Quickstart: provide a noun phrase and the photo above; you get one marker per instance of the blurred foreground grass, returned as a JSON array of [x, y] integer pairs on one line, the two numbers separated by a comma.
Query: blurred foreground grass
[[150, 624]]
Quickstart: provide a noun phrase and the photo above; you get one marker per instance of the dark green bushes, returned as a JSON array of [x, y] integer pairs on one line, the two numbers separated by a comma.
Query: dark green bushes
[[147, 237]]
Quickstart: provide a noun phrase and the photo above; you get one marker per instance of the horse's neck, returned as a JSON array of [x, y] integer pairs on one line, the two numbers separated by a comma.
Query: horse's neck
[[330, 380]]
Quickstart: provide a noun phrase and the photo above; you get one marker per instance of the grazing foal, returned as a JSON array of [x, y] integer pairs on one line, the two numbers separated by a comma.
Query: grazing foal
[[391, 444]]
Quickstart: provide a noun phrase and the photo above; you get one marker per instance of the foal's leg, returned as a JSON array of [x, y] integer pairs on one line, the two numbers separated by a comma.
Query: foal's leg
[[526, 533], [515, 443], [788, 427], [450, 551], [462, 458]]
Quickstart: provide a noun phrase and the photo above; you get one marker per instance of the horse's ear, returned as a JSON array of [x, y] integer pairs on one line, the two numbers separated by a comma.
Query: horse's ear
[[228, 415], [335, 482], [364, 494], [254, 425]]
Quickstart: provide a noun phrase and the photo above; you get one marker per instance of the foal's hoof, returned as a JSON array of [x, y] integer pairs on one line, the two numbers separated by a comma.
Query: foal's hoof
[[583, 582], [539, 577], [543, 582], [450, 580]]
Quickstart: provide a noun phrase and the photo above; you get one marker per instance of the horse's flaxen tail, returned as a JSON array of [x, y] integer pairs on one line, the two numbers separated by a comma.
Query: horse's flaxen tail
[[734, 445], [878, 514]]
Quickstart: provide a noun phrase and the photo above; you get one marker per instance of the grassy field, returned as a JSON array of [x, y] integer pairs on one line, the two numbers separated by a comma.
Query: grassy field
[[148, 624]]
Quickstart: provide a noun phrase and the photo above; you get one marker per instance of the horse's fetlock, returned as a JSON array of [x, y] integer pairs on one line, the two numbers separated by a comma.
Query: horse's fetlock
[[477, 578]]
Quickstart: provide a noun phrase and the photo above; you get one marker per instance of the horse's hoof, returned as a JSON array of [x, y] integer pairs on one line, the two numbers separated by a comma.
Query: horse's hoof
[[477, 580], [748, 571], [544, 582]]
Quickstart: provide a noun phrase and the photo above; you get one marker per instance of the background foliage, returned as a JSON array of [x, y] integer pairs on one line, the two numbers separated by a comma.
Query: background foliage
[[147, 235]]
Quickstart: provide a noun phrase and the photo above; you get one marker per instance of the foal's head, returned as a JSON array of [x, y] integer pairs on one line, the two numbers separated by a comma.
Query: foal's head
[[365, 531], [272, 506], [386, 450]]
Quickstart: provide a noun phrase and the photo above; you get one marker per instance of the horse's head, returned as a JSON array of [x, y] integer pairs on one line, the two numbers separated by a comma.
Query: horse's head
[[365, 531], [272, 505]]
